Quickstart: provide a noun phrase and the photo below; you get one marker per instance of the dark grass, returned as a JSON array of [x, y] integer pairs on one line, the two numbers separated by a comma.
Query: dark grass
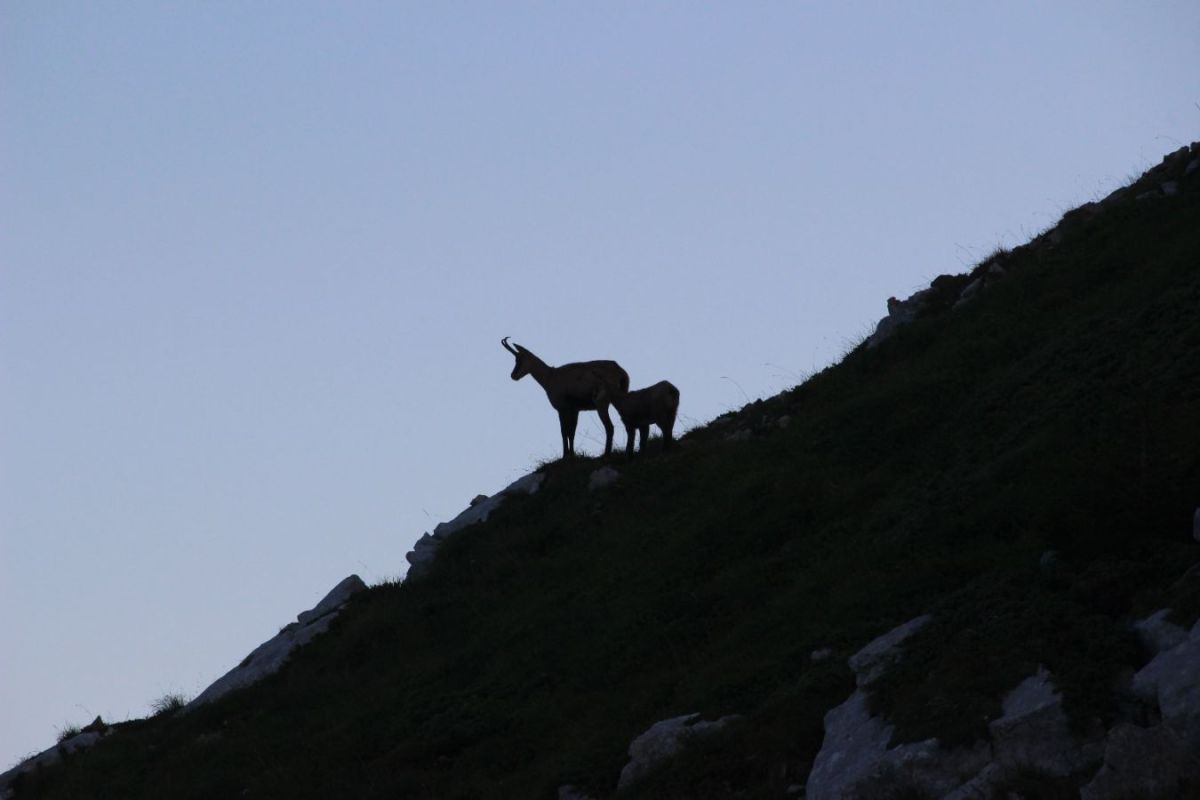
[[1059, 411]]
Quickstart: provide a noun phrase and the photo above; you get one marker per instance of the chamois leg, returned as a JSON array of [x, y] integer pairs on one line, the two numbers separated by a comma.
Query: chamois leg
[[645, 430], [567, 420], [602, 410], [630, 440]]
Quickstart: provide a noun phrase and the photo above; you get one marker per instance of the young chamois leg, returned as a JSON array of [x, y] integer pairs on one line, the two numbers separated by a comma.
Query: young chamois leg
[[567, 420], [668, 426], [645, 430]]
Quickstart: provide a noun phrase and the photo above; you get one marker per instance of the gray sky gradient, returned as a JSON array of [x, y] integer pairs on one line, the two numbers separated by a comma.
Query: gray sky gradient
[[256, 260]]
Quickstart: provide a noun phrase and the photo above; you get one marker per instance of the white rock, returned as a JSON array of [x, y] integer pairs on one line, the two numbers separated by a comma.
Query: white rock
[[873, 660], [1157, 634], [1034, 732], [1172, 681], [1169, 188], [821, 654], [1143, 762], [271, 655], [854, 744], [663, 741], [1192, 166], [969, 292], [338, 596], [50, 756], [605, 476], [855, 763]]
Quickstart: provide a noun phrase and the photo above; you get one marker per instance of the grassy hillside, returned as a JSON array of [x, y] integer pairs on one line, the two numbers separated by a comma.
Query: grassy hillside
[[1059, 410]]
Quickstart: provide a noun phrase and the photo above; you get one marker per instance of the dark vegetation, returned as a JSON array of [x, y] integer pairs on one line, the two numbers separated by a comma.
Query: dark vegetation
[[1059, 411]]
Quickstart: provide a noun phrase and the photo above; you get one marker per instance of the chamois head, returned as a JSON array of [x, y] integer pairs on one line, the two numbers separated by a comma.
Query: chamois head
[[522, 367]]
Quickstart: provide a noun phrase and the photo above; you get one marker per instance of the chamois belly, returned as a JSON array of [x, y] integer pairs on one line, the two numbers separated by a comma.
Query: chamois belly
[[575, 403]]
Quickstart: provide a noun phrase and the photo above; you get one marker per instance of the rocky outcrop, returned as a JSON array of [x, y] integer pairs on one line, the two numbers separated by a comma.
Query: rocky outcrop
[[271, 655], [663, 741], [1171, 683], [69, 746], [857, 760], [873, 660], [1145, 762], [421, 557], [1034, 734]]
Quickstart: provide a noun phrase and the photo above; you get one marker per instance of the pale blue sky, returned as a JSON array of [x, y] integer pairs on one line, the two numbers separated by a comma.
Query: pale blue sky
[[256, 260]]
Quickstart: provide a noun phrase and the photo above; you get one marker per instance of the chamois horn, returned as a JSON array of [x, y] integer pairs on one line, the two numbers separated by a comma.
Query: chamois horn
[[508, 346]]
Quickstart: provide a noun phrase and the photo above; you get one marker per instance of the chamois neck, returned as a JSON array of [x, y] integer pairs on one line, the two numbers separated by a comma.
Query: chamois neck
[[540, 371]]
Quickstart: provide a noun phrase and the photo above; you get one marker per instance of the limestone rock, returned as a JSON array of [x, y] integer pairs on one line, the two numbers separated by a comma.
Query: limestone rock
[[605, 476], [53, 755], [969, 292], [1157, 634], [1034, 733], [569, 792], [855, 763], [821, 654], [1145, 762], [338, 596], [873, 660], [271, 655], [854, 744], [1172, 681], [663, 741], [900, 313]]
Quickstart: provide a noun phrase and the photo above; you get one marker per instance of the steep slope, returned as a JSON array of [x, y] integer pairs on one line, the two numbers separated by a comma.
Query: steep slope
[[933, 471]]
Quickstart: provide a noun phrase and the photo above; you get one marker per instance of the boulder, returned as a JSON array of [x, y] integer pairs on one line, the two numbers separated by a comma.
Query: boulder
[[338, 596], [900, 313], [663, 741], [1157, 634], [1172, 682], [821, 654], [968, 293], [1145, 762], [873, 660], [855, 762], [605, 476], [1033, 733], [854, 744], [271, 655]]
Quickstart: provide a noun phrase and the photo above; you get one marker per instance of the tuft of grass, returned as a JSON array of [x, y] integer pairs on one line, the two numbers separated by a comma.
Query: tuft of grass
[[67, 732], [168, 704]]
